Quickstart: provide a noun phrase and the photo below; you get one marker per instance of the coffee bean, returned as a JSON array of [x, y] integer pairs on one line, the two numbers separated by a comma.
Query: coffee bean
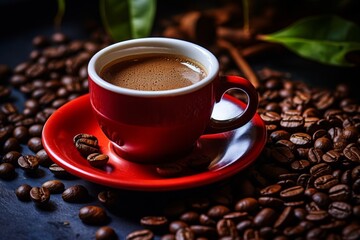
[[321, 199], [320, 169], [76, 193], [270, 190], [331, 157], [40, 195], [301, 139], [317, 215], [184, 234], [23, 192], [285, 218], [106, 233], [11, 157], [176, 225], [247, 205], [323, 143], [339, 192], [292, 193], [59, 171], [203, 231], [315, 155], [54, 186], [93, 215], [35, 144], [21, 133], [28, 163], [170, 169], [7, 171], [97, 160], [218, 211], [292, 123], [325, 182], [155, 223], [86, 145], [352, 152], [146, 234], [340, 210], [226, 228], [282, 155], [190, 217]]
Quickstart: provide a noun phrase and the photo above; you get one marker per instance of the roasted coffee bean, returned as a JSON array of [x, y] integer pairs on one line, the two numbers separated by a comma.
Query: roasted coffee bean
[[87, 146], [270, 117], [40, 195], [292, 193], [292, 123], [109, 198], [271, 190], [286, 143], [320, 169], [340, 210], [351, 231], [97, 160], [279, 135], [176, 225], [170, 169], [203, 231], [265, 217], [247, 205], [272, 202], [35, 130], [218, 211], [331, 157], [282, 155], [226, 228], [35, 144], [317, 215], [93, 215], [190, 217], [7, 171], [340, 192], [21, 133], [300, 165], [301, 139], [44, 159], [11, 157], [76, 193], [154, 223], [352, 152], [23, 192], [106, 233], [286, 217], [323, 143], [325, 182], [206, 220], [183, 234], [59, 171], [29, 163], [11, 144], [54, 186], [144, 234], [315, 155], [321, 199]]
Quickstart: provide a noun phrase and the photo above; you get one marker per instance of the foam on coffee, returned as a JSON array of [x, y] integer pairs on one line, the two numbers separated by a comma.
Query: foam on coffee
[[153, 72]]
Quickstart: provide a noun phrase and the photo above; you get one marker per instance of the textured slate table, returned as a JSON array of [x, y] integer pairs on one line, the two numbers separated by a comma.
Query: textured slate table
[[20, 21]]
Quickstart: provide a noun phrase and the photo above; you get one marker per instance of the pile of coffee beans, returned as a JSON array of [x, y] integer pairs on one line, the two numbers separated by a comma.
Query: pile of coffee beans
[[304, 185]]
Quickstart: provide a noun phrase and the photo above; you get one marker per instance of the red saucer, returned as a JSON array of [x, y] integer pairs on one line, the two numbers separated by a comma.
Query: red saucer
[[230, 152]]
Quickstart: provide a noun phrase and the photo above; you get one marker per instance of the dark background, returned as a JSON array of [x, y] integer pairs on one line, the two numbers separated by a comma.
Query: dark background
[[21, 21]]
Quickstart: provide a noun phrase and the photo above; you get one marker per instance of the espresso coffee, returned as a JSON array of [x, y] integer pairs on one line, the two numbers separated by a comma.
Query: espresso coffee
[[153, 72]]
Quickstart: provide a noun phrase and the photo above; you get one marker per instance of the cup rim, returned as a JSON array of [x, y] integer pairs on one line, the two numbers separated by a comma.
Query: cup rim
[[209, 62]]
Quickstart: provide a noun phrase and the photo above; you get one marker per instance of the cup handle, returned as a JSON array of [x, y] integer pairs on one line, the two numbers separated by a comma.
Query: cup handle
[[234, 82]]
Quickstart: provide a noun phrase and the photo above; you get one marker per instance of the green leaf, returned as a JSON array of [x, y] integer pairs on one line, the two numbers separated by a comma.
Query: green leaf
[[60, 13], [326, 39], [127, 19]]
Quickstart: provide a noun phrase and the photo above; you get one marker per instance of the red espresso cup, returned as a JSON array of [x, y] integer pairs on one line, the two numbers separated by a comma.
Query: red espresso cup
[[158, 126]]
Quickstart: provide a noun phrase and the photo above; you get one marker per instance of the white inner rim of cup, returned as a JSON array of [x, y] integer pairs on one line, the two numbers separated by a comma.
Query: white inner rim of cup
[[153, 45]]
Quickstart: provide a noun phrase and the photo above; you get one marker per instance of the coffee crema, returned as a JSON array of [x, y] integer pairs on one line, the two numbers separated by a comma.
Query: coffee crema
[[153, 72]]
